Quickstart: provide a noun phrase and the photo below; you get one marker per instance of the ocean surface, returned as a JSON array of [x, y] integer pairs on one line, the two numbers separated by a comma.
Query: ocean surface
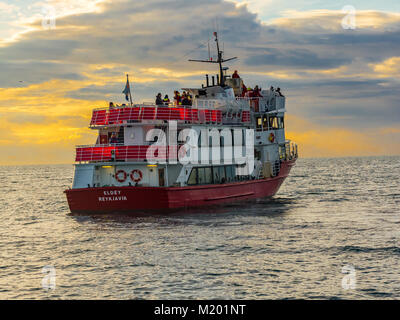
[[332, 232]]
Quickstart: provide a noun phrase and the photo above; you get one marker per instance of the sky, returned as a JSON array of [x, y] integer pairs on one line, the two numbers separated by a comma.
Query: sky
[[60, 59]]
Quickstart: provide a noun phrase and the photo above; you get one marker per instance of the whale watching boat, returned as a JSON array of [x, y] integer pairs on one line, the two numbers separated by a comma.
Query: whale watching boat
[[221, 143]]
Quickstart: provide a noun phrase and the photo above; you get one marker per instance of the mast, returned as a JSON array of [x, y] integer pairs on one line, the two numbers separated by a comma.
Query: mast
[[220, 61]]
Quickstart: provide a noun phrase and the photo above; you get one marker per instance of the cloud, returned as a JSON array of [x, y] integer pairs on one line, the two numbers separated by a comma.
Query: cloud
[[7, 9], [300, 58], [388, 68], [330, 20]]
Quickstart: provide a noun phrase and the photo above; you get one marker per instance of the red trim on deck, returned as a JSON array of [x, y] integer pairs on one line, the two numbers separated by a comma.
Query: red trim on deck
[[132, 114]]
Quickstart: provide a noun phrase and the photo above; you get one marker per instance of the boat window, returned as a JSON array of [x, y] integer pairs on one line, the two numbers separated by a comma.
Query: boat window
[[281, 123], [120, 135], [216, 175], [259, 122], [193, 177], [201, 176], [208, 175], [221, 173], [273, 123], [265, 123], [230, 173]]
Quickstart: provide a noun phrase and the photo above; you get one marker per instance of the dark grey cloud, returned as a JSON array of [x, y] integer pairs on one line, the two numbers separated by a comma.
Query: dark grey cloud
[[300, 58], [113, 91], [39, 50], [22, 73]]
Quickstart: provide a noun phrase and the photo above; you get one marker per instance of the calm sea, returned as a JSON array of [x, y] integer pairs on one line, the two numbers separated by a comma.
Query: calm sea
[[332, 232]]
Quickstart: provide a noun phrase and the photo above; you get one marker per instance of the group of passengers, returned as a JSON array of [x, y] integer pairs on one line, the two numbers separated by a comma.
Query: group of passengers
[[249, 92], [183, 100], [162, 102], [114, 106], [179, 100]]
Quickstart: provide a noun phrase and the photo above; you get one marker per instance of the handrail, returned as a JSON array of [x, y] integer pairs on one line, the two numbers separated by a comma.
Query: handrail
[[106, 153], [112, 116], [291, 150]]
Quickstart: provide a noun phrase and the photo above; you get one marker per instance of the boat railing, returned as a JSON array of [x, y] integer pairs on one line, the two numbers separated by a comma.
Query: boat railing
[[263, 104], [256, 104], [120, 152], [290, 151], [139, 113], [207, 103]]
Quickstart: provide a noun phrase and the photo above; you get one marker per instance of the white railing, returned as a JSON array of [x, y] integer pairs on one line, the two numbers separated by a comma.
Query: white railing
[[291, 151]]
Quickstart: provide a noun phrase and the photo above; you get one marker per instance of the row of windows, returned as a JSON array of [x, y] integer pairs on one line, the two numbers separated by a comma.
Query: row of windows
[[214, 175], [270, 122]]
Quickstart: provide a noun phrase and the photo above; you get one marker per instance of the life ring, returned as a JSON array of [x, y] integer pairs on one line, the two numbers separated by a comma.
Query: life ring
[[117, 177], [271, 137], [136, 175]]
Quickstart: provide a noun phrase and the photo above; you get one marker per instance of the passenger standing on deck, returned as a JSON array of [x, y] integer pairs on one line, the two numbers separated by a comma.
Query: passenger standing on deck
[[177, 98], [185, 100], [279, 92], [249, 93], [256, 101], [159, 101], [166, 100], [244, 90], [256, 92], [113, 139]]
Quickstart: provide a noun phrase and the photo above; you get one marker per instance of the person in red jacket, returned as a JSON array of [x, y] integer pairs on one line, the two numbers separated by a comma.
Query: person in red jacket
[[235, 75], [256, 101], [256, 92], [244, 90], [177, 98]]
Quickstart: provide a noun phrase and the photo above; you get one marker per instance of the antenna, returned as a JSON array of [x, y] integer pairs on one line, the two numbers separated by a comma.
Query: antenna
[[209, 55], [220, 61]]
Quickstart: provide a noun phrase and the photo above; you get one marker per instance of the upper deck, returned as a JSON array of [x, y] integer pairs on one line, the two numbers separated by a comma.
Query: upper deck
[[148, 113]]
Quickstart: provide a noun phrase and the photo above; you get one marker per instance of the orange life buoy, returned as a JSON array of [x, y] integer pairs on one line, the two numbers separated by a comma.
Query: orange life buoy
[[136, 175], [117, 177], [271, 137]]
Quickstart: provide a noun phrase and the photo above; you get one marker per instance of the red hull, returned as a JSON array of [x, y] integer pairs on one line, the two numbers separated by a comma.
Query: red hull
[[130, 199]]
